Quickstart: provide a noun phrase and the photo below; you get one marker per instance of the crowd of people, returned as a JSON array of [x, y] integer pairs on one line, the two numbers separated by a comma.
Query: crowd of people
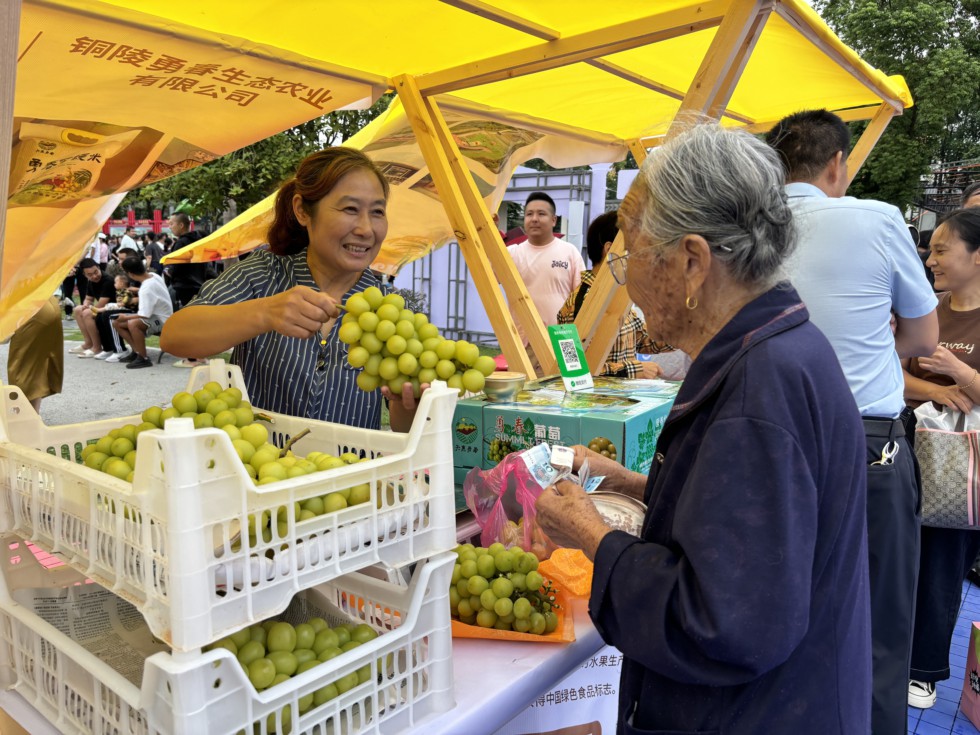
[[782, 581], [125, 293]]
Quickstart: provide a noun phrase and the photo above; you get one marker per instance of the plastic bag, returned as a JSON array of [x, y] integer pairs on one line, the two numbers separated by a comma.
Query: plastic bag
[[502, 500], [946, 419]]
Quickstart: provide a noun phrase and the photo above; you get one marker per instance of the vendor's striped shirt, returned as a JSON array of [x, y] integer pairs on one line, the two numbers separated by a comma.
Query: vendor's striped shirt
[[282, 374]]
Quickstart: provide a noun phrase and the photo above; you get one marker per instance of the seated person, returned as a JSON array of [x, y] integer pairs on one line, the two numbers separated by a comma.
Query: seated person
[[115, 261], [100, 292], [632, 337], [155, 307], [125, 303]]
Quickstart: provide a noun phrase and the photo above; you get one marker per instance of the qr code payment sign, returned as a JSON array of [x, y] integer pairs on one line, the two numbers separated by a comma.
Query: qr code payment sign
[[570, 355]]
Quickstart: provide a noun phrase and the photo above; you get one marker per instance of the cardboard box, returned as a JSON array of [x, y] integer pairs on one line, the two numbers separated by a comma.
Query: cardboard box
[[632, 426], [970, 700], [630, 413], [514, 427], [633, 431], [468, 433]]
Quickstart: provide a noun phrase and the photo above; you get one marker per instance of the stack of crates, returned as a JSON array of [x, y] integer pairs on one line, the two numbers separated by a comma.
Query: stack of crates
[[173, 545]]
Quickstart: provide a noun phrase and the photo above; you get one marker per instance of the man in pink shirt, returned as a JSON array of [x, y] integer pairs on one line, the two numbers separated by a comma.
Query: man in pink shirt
[[551, 268]]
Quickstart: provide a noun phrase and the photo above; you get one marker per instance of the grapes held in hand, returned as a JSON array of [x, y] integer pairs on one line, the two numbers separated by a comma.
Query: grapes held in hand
[[410, 347]]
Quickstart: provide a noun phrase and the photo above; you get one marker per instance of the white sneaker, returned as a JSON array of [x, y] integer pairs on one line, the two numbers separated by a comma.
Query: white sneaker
[[105, 354], [922, 694], [117, 356], [76, 350], [87, 354]]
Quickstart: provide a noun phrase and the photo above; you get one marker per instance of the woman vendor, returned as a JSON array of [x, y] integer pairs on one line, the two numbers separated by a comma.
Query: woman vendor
[[329, 223]]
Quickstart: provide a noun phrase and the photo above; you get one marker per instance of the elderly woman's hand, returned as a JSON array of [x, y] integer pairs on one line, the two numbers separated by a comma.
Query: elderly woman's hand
[[617, 478], [569, 517]]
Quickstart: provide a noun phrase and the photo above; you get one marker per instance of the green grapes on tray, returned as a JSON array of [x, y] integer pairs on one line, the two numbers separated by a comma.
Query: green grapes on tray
[[501, 588]]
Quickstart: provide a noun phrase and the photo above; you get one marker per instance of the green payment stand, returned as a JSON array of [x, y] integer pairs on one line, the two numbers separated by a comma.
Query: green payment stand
[[570, 355]]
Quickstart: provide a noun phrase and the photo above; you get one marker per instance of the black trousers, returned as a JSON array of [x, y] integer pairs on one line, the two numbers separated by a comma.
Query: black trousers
[[944, 559], [111, 341], [893, 554], [68, 286]]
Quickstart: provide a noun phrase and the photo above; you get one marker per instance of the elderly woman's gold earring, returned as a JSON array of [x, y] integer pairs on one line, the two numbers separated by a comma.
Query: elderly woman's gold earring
[[691, 302]]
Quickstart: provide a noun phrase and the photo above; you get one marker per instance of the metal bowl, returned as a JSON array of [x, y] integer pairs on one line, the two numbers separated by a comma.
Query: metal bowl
[[504, 386], [620, 511]]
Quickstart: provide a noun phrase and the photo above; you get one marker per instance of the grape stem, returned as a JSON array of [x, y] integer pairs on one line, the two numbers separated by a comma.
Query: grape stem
[[293, 440]]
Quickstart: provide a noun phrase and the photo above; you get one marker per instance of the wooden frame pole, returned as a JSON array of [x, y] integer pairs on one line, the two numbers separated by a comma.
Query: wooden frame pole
[[722, 66], [869, 138], [603, 309], [486, 256]]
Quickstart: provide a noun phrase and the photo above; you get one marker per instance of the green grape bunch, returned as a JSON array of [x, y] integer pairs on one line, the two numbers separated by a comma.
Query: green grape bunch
[[501, 588], [499, 448], [223, 408], [393, 345], [274, 651]]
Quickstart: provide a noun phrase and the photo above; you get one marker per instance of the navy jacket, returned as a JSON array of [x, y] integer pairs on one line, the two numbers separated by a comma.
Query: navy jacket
[[744, 607]]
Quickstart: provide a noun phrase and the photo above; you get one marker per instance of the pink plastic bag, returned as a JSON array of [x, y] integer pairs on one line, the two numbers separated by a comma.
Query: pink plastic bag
[[502, 501]]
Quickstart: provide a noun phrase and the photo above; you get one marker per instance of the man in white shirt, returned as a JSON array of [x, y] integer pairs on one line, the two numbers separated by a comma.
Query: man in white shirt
[[551, 268], [856, 266], [127, 241], [155, 307]]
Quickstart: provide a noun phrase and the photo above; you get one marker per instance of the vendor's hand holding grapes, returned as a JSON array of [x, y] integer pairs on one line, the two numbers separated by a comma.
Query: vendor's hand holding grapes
[[299, 312], [569, 517], [407, 398]]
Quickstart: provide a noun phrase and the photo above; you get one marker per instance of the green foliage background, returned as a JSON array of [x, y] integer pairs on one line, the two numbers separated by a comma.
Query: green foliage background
[[935, 45]]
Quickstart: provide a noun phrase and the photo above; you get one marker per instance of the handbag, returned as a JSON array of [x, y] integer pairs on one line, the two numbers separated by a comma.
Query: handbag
[[948, 449]]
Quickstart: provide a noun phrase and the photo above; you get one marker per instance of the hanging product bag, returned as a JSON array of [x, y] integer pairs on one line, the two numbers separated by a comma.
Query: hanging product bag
[[947, 445]]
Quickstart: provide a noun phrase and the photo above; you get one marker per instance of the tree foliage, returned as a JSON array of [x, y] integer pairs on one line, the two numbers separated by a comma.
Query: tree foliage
[[934, 44], [250, 174]]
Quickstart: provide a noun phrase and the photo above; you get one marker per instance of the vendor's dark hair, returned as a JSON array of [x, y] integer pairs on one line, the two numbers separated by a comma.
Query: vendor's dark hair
[[316, 177], [807, 141], [965, 224], [134, 265], [86, 263], [602, 230]]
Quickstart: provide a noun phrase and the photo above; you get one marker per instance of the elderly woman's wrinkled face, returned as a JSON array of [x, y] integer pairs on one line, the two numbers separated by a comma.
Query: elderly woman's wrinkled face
[[654, 282]]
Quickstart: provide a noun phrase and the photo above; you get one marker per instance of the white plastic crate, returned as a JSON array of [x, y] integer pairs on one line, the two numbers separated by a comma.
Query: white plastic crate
[[208, 693], [169, 542]]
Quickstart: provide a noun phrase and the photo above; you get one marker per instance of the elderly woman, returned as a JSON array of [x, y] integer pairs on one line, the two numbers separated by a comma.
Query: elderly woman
[[743, 606]]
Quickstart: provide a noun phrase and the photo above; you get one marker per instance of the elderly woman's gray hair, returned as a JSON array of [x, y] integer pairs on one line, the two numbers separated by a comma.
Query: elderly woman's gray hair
[[726, 186]]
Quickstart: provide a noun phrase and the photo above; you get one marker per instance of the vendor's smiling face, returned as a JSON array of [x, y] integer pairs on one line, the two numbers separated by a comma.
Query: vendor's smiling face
[[348, 225]]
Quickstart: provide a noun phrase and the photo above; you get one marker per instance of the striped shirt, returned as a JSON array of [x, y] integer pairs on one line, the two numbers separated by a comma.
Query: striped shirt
[[298, 377]]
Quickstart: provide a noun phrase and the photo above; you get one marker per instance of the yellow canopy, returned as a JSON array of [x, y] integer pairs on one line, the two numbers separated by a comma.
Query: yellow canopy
[[111, 94]]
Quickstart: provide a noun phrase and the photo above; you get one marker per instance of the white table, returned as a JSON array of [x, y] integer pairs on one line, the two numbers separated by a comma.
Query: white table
[[497, 680]]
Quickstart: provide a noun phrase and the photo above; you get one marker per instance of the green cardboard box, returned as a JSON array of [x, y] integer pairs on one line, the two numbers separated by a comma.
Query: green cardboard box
[[514, 427], [629, 413], [634, 431], [468, 433]]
